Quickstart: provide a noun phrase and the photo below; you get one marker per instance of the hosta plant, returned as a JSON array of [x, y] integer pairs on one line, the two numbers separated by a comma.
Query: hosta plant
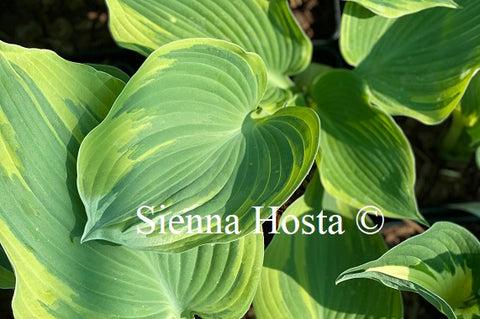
[[143, 197]]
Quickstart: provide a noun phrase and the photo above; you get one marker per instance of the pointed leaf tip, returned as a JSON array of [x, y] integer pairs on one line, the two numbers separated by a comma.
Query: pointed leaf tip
[[365, 157]]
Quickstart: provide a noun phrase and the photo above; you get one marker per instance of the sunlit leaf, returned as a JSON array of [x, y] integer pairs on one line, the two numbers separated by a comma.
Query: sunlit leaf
[[442, 265], [266, 27], [414, 65], [298, 277], [191, 139], [397, 8], [365, 158], [47, 106]]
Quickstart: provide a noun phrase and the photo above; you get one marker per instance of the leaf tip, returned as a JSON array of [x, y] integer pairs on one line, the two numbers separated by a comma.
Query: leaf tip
[[455, 5], [341, 278], [347, 275], [89, 233], [421, 220]]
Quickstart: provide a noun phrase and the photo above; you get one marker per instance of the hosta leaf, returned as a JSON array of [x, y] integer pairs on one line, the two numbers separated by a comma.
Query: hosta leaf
[[442, 265], [7, 278], [397, 8], [412, 64], [266, 27], [190, 140], [354, 47], [47, 106], [298, 277], [365, 158]]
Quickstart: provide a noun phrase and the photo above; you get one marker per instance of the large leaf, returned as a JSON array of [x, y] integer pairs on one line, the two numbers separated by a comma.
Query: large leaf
[[266, 27], [413, 64], [298, 277], [397, 8], [442, 265], [7, 278], [47, 106], [365, 158], [191, 140]]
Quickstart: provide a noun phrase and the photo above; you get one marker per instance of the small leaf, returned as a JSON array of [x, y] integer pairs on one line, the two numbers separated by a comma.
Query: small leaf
[[412, 64], [188, 137], [47, 106], [442, 265], [365, 158], [397, 8], [299, 270]]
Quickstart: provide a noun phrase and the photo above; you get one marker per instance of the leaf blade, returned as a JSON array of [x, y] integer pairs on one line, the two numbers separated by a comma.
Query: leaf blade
[[409, 63], [43, 119], [365, 158], [267, 28], [298, 270], [395, 9], [187, 141], [440, 264]]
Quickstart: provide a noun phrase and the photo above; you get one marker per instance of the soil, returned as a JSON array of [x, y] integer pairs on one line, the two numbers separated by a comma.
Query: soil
[[78, 31], [67, 27]]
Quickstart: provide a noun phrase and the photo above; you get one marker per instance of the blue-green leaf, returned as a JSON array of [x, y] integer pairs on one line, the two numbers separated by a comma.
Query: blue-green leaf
[[47, 106], [413, 64], [266, 27], [189, 137], [365, 159]]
